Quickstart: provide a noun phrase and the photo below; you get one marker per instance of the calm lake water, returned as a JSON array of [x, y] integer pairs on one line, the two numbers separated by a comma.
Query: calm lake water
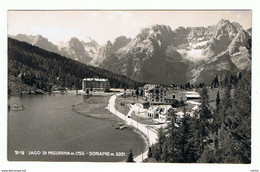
[[48, 124]]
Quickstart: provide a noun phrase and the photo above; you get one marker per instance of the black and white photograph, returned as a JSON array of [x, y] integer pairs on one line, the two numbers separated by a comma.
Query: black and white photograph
[[143, 86]]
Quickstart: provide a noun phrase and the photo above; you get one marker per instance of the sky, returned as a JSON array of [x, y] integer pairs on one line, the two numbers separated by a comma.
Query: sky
[[102, 26]]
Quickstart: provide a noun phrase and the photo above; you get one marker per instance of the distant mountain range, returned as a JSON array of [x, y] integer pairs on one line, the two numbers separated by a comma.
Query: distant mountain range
[[30, 67], [159, 54]]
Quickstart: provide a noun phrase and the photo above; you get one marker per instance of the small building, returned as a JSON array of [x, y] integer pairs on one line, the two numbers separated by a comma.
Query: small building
[[192, 96], [153, 112], [146, 89], [162, 112], [166, 112], [195, 108], [169, 100], [154, 94], [96, 83]]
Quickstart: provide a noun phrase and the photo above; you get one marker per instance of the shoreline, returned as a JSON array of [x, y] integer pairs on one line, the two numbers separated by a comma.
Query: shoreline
[[113, 120], [151, 135], [100, 135], [146, 139]]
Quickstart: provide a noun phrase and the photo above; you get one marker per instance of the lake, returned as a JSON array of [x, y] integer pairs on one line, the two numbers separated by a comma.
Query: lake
[[48, 130]]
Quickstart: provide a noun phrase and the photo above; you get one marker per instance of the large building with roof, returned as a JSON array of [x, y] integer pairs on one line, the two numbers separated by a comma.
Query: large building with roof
[[156, 95], [95, 83]]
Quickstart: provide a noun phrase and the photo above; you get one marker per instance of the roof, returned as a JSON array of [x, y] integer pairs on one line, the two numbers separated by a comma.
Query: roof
[[149, 86], [180, 114], [152, 86], [95, 79], [192, 95], [196, 107], [167, 107]]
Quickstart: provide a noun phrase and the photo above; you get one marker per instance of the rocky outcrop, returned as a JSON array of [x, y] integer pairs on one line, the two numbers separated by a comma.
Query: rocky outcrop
[[78, 50], [226, 51], [149, 57], [159, 54], [105, 51], [38, 41]]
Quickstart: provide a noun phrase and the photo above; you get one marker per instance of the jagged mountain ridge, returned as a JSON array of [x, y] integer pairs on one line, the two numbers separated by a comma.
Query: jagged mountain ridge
[[108, 49], [159, 54], [196, 54], [79, 50], [145, 57], [88, 51], [38, 41], [36, 67]]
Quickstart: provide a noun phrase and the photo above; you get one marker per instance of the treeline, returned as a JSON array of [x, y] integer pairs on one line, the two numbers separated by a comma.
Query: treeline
[[42, 69], [212, 135], [221, 80]]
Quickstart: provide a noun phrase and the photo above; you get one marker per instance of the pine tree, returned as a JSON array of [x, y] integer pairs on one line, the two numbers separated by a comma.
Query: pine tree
[[150, 154], [160, 140], [217, 101], [235, 142], [173, 141], [215, 81], [185, 136], [130, 157], [204, 116], [91, 87]]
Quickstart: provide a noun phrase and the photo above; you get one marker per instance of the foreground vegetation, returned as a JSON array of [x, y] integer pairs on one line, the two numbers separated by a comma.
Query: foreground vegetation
[[215, 135]]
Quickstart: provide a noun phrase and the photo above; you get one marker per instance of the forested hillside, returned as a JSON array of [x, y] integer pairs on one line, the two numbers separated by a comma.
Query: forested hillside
[[216, 134], [41, 69]]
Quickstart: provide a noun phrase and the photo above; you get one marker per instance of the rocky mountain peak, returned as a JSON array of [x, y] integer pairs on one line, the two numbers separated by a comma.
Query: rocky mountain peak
[[182, 30], [223, 21], [109, 43], [91, 43], [74, 41], [160, 55], [249, 31], [38, 39], [155, 35]]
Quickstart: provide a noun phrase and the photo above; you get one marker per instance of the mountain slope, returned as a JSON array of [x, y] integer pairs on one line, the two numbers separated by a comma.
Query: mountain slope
[[197, 54], [78, 50], [149, 57], [226, 51], [109, 48], [161, 55], [43, 69], [75, 49], [38, 41]]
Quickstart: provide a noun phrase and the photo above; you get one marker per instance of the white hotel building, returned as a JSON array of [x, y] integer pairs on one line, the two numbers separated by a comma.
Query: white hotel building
[[95, 83]]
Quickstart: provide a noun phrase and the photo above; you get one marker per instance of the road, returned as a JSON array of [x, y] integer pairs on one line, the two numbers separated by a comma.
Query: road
[[151, 135]]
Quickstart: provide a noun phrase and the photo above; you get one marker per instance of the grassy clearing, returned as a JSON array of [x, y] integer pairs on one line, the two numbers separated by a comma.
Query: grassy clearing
[[124, 109], [95, 107]]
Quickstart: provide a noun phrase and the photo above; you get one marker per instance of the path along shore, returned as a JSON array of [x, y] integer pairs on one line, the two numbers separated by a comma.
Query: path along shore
[[150, 134]]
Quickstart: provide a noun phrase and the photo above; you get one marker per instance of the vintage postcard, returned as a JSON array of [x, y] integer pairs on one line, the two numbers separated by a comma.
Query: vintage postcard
[[160, 86]]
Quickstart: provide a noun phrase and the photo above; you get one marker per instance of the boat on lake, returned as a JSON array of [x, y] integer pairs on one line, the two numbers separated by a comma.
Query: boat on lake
[[16, 107]]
